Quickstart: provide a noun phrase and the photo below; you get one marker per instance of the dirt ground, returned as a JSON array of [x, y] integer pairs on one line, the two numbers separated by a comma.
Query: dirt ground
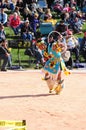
[[24, 96]]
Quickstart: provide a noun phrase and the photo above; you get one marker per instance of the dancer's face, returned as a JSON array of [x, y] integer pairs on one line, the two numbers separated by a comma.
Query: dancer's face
[[51, 39]]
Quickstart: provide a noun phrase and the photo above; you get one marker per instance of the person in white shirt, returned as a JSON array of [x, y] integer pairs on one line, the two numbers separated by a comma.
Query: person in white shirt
[[3, 17], [73, 45]]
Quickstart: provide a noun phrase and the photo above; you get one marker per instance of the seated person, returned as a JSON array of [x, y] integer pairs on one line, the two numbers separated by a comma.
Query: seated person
[[73, 45], [35, 23], [65, 53], [27, 14], [67, 7], [2, 32], [35, 52], [46, 13], [61, 27], [19, 4], [77, 25], [50, 20], [58, 7], [83, 46], [9, 5], [2, 5], [26, 31], [4, 55], [14, 22], [3, 17]]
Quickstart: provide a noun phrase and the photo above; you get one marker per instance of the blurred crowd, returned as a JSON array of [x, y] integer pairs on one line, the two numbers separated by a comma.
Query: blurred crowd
[[24, 19]]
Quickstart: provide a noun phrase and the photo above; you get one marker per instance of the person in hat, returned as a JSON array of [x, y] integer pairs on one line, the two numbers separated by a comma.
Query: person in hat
[[26, 31]]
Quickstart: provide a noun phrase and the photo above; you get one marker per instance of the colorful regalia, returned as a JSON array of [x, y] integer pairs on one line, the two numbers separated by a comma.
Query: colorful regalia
[[53, 67]]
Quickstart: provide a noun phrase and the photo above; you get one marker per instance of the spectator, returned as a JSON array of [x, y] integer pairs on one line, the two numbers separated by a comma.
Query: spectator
[[9, 5], [3, 17], [77, 25], [72, 3], [2, 5], [26, 31], [35, 51], [35, 23], [40, 13], [65, 53], [83, 46], [67, 8], [73, 13], [19, 5], [17, 10], [58, 7], [2, 32], [50, 2], [50, 20], [14, 22], [27, 14], [80, 3], [61, 27], [65, 16], [27, 2], [47, 13], [38, 55], [73, 45], [4, 55], [34, 4]]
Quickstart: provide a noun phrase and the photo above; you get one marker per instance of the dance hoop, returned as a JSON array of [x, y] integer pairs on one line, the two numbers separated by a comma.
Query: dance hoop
[[54, 33]]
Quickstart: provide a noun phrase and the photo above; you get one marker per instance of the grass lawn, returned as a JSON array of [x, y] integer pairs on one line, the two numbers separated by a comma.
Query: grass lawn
[[18, 56], [24, 59]]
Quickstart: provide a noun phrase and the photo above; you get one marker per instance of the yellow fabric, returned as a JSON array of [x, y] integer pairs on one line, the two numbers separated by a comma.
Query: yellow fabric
[[9, 49], [53, 21], [65, 70]]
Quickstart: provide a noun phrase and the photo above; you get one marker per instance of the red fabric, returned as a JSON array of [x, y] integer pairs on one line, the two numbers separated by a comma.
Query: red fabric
[[57, 6], [68, 9], [69, 32], [14, 22]]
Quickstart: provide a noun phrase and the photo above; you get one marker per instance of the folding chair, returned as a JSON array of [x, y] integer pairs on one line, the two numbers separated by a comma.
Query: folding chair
[[45, 28]]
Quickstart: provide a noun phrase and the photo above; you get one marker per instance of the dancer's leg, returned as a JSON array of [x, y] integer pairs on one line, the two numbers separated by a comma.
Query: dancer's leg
[[58, 85], [50, 84]]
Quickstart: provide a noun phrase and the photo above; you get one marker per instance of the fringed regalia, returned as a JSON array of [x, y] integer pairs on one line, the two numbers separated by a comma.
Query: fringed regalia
[[53, 67]]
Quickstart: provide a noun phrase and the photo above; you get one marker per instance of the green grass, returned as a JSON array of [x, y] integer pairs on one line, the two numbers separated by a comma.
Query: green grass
[[23, 58], [18, 58]]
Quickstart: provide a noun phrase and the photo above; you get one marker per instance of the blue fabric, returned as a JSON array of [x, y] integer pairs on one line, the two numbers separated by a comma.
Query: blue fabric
[[53, 64], [5, 60], [12, 6], [50, 67], [27, 36], [84, 9]]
